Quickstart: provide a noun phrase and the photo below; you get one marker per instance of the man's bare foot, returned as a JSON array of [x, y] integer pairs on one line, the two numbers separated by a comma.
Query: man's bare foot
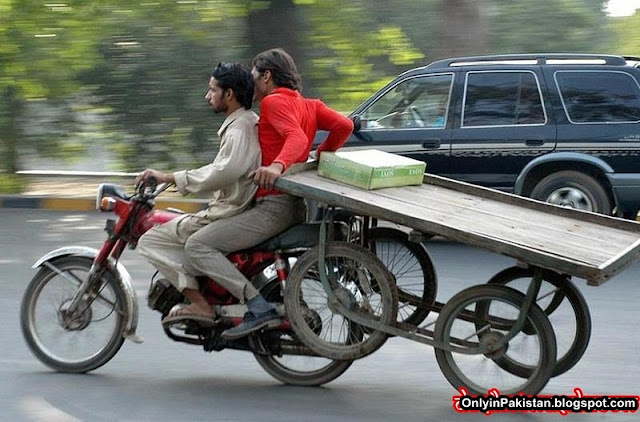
[[182, 314], [198, 305], [192, 310], [198, 310]]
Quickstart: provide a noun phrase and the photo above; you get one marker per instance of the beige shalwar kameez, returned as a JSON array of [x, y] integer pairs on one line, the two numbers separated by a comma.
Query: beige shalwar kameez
[[233, 192]]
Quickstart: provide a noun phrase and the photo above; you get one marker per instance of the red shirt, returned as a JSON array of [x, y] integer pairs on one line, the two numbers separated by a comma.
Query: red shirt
[[288, 125]]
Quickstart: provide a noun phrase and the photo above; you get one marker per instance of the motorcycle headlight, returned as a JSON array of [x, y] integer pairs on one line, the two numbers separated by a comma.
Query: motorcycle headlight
[[107, 204], [104, 203], [105, 198], [99, 196]]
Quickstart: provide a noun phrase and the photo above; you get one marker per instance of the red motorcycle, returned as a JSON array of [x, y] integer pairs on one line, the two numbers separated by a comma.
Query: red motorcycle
[[81, 305]]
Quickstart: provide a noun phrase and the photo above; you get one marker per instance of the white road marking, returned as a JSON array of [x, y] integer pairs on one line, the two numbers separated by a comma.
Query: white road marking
[[38, 409], [73, 218]]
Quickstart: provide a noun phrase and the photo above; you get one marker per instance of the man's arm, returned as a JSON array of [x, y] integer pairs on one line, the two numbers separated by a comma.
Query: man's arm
[[338, 126], [234, 160]]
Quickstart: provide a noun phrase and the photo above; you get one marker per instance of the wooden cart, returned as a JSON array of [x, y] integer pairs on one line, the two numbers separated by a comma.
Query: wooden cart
[[552, 243]]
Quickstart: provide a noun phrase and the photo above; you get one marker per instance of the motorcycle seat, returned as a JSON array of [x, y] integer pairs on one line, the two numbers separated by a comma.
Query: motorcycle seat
[[304, 235]]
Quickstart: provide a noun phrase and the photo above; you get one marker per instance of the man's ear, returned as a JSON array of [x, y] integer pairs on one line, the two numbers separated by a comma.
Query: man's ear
[[266, 75], [229, 94]]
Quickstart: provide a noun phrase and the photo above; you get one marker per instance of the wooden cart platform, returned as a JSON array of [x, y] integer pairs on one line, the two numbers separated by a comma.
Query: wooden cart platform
[[581, 244]]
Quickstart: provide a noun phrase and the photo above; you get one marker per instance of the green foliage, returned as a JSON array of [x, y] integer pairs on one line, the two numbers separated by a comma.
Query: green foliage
[[134, 75], [626, 35], [153, 77], [12, 183], [42, 48], [350, 59], [535, 26]]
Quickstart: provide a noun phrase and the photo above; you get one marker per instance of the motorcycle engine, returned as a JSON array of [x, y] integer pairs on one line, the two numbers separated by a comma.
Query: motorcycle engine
[[163, 296]]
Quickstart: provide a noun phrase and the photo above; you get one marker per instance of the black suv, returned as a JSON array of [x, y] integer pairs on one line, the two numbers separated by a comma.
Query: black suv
[[563, 128]]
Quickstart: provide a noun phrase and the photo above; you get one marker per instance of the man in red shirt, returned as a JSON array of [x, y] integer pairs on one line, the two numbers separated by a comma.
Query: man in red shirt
[[287, 126]]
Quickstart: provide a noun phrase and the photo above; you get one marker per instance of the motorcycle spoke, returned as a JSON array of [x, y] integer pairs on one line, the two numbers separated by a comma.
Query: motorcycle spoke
[[65, 337]]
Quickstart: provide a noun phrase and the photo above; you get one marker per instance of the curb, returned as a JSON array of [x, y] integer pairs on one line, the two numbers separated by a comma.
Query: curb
[[87, 204]]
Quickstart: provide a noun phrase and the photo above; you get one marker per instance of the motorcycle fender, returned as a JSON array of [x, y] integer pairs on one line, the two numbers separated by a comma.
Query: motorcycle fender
[[122, 276]]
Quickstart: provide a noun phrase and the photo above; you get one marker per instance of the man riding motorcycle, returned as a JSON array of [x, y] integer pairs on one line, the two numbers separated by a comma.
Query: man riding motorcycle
[[287, 127], [226, 178]]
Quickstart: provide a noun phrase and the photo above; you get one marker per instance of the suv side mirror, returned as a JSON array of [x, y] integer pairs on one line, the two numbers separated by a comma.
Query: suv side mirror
[[357, 123], [357, 127]]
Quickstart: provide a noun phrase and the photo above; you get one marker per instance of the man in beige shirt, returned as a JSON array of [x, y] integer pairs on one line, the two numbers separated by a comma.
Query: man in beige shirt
[[226, 178]]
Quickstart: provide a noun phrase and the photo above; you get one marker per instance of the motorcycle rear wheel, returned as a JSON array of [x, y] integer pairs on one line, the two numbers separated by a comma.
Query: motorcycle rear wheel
[[304, 371], [91, 337], [299, 370], [359, 277]]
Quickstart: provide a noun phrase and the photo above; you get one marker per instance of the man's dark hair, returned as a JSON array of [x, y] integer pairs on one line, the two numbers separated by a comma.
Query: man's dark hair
[[283, 69], [237, 77]]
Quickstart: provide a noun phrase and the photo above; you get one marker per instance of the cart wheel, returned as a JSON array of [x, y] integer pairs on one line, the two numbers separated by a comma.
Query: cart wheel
[[411, 265], [361, 279], [457, 325], [566, 308]]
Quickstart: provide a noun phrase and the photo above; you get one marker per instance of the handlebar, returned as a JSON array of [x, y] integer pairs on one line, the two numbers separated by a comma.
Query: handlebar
[[149, 189], [161, 188]]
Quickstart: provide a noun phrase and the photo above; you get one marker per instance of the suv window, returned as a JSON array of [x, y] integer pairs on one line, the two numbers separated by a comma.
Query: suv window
[[413, 103], [502, 99], [599, 96]]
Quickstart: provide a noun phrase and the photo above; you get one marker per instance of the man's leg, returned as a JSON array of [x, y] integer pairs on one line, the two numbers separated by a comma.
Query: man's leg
[[206, 251], [163, 247]]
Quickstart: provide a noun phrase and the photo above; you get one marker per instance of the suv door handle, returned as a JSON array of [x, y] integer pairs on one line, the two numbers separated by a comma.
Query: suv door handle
[[534, 142], [431, 143]]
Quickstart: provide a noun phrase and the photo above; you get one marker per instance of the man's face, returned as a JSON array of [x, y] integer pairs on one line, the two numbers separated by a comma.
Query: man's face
[[260, 86], [216, 97]]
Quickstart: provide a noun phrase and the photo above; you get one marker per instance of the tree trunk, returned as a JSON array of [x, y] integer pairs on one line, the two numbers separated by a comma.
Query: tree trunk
[[10, 132], [463, 29], [278, 25]]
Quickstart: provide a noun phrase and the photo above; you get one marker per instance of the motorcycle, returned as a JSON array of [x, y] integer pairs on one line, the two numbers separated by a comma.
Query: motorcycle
[[81, 305]]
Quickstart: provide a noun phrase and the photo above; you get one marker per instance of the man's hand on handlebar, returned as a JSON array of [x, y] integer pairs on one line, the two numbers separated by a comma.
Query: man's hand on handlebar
[[159, 177], [266, 176]]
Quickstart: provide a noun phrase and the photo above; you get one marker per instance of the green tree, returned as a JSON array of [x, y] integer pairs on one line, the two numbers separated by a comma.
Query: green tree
[[463, 28], [345, 49], [549, 26], [626, 36], [41, 48], [153, 79], [141, 69], [134, 75]]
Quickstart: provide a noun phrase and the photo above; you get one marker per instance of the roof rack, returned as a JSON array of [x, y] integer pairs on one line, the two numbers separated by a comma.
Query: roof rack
[[633, 61], [532, 58]]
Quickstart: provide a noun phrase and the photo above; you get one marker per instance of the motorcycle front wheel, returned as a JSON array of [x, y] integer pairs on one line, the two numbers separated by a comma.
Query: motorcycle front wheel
[[72, 342]]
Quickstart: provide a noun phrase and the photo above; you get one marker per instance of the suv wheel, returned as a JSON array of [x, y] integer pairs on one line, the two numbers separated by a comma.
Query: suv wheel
[[575, 190]]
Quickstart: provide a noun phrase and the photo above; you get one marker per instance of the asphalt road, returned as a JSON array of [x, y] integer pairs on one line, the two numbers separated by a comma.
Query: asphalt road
[[161, 380]]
